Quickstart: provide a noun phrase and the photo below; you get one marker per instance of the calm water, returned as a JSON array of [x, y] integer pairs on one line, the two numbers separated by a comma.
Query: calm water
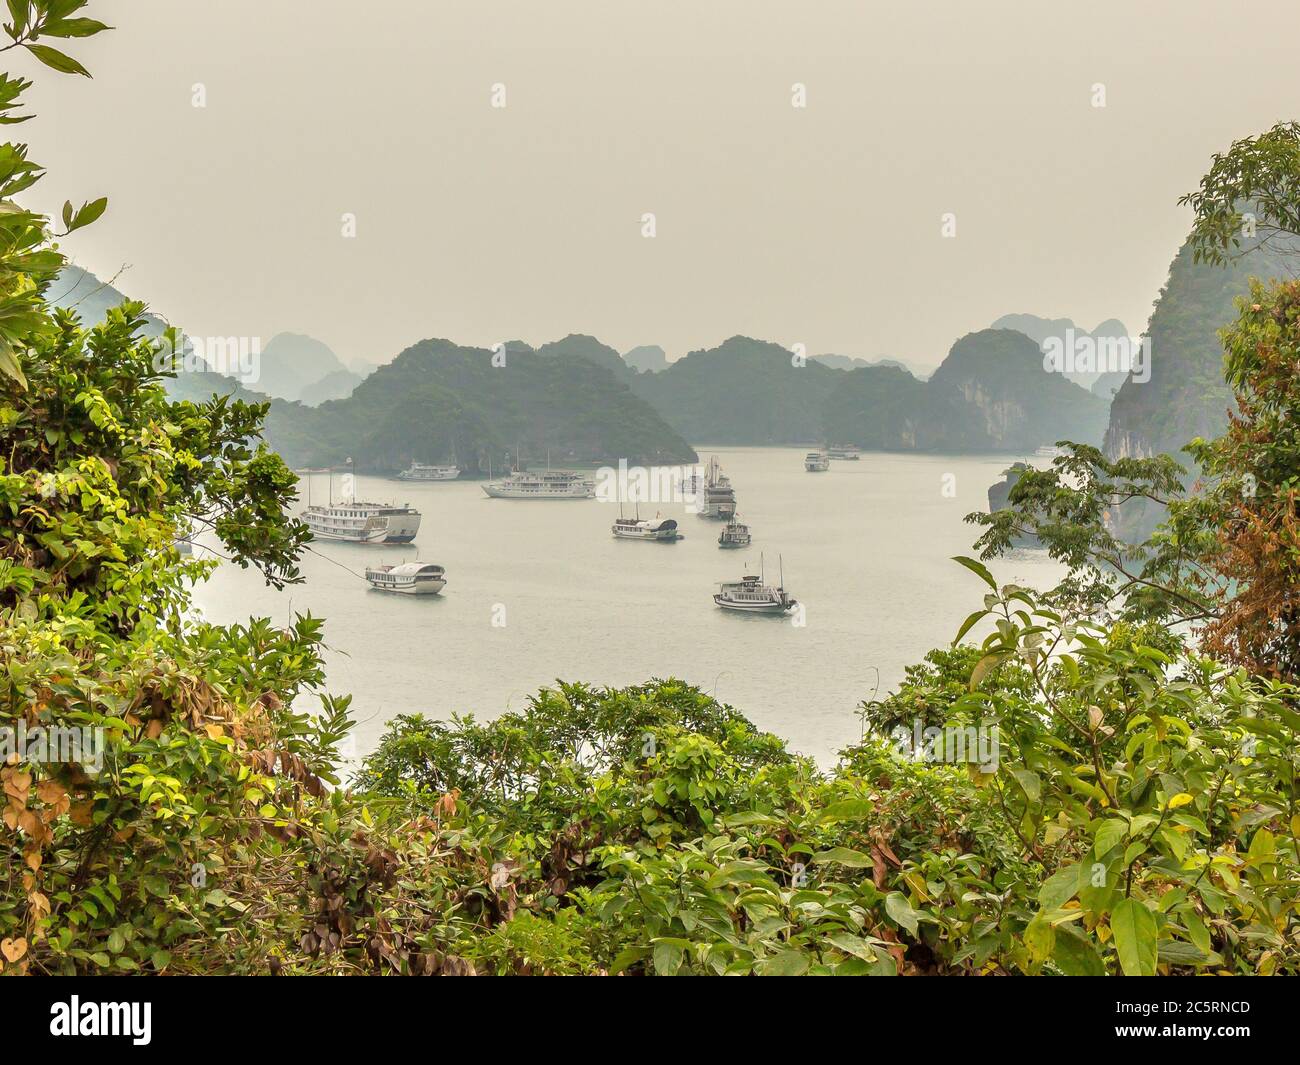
[[866, 548]]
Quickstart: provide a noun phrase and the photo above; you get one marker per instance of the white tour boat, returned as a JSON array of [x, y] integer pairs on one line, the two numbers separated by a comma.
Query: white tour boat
[[548, 485], [363, 523], [357, 522], [661, 530], [817, 462], [845, 451], [734, 534], [408, 578], [418, 471], [753, 595], [719, 496]]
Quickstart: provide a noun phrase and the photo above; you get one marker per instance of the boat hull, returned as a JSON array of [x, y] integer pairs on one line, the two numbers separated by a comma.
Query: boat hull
[[753, 608], [416, 588], [497, 492], [653, 537]]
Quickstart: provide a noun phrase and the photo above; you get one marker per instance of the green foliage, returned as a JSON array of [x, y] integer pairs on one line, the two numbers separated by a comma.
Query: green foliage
[[1259, 176], [1225, 557], [1140, 817], [1070, 509]]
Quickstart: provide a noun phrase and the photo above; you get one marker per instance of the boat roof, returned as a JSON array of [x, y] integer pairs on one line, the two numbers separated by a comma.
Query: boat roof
[[358, 504], [406, 569]]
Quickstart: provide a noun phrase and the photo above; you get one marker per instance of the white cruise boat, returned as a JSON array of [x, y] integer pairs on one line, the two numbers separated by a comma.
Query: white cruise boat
[[753, 595], [661, 530], [363, 523], [552, 484], [817, 462], [719, 497], [408, 578], [845, 451], [734, 534], [418, 471]]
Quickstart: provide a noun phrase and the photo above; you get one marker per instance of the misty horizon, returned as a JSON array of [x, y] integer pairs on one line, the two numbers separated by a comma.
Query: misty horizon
[[817, 225]]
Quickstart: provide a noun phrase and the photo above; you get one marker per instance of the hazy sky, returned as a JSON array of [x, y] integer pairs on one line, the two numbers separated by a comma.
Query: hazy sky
[[819, 225]]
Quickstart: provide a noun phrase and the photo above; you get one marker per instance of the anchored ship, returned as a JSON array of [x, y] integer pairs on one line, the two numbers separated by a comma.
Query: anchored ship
[[844, 451], [363, 523], [753, 595], [548, 485], [408, 578], [719, 497], [358, 522], [661, 530], [817, 462], [418, 471], [734, 534]]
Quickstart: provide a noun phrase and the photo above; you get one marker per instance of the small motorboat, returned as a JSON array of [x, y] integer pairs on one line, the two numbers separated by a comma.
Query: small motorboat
[[408, 578]]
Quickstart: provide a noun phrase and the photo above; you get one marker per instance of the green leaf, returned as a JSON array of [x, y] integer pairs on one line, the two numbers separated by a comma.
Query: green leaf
[[18, 10], [1109, 834], [989, 662], [88, 213], [1197, 932], [1135, 932], [1040, 939], [627, 956], [73, 27], [1060, 887], [1176, 952], [901, 911], [667, 957], [971, 621], [978, 568], [56, 60], [844, 856], [855, 945], [787, 963], [1029, 783], [9, 364], [1075, 955], [846, 810]]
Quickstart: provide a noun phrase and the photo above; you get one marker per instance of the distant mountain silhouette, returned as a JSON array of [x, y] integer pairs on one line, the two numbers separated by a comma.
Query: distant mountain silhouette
[[991, 394], [292, 362], [648, 358], [1039, 330], [441, 402]]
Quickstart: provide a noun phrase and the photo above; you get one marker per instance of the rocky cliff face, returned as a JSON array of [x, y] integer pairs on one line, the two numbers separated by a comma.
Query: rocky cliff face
[[1186, 396], [995, 383]]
